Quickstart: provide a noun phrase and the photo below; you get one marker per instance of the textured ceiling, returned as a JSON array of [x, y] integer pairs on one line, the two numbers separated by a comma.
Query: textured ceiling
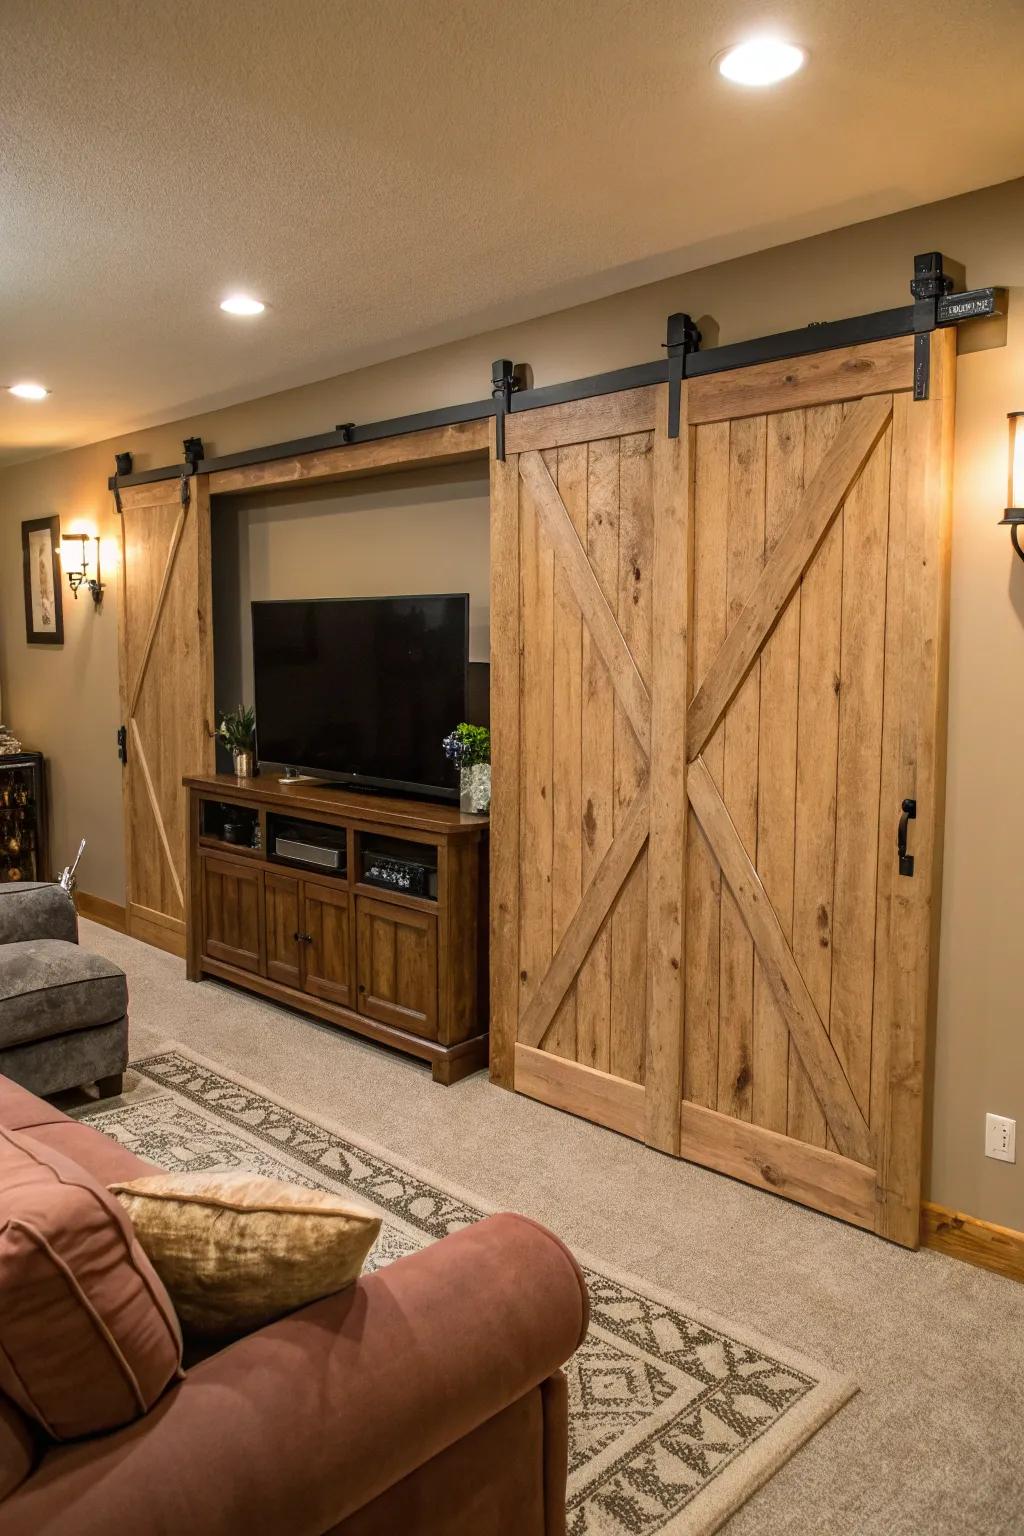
[[392, 173]]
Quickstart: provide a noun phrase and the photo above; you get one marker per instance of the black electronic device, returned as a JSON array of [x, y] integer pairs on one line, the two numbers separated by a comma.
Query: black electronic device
[[406, 875], [362, 690]]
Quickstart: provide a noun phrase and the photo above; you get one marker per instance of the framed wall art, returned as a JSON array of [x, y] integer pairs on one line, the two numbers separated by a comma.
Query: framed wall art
[[40, 552]]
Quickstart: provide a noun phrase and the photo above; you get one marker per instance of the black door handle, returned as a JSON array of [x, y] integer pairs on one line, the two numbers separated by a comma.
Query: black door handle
[[906, 859]]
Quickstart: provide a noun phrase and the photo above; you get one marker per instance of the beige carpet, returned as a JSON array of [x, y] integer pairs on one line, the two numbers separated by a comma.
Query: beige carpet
[[676, 1416], [930, 1443]]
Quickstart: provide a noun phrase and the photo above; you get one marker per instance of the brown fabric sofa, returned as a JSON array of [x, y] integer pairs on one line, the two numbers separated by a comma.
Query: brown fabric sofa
[[427, 1400]]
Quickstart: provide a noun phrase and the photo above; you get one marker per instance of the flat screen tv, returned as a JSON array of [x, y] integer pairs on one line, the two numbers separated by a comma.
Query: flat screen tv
[[362, 690]]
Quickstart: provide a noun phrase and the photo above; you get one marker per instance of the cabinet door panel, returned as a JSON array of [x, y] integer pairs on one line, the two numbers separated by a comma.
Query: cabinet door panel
[[397, 966], [284, 950], [233, 924], [327, 944]]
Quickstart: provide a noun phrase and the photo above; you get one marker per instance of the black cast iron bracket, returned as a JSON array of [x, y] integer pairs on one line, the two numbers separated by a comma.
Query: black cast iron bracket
[[194, 455], [123, 465], [941, 300], [930, 283], [681, 339], [504, 385]]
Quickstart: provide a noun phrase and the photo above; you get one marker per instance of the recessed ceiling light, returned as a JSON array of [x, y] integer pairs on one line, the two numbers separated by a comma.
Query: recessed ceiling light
[[28, 391], [242, 304], [762, 61]]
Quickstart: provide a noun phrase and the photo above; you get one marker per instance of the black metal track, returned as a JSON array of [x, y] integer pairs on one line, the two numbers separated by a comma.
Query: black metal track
[[823, 337]]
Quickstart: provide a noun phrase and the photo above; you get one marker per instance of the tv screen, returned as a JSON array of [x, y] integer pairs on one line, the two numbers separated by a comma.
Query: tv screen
[[362, 689]]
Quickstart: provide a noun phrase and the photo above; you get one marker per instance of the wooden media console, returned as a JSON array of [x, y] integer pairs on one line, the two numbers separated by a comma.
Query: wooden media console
[[409, 970]]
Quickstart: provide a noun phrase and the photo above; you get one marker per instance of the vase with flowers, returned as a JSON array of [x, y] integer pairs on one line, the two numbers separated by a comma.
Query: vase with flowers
[[237, 730], [469, 748]]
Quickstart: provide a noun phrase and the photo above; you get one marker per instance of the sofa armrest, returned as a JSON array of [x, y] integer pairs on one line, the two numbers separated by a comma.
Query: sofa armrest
[[293, 1428], [36, 912]]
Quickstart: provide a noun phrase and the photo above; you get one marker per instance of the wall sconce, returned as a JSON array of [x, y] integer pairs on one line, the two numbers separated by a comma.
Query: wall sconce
[[76, 565], [1015, 494]]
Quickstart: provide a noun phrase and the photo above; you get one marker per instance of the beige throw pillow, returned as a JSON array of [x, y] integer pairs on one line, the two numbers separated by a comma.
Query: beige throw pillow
[[236, 1251]]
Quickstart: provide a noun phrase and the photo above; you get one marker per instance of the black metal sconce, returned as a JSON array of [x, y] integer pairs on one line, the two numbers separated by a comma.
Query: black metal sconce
[[78, 573], [1015, 493]]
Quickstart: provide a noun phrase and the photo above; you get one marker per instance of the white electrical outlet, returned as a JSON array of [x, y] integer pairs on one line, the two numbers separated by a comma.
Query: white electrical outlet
[[1001, 1138]]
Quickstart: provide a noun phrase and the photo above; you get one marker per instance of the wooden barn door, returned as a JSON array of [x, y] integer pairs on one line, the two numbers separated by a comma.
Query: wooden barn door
[[166, 693], [719, 673], [588, 625]]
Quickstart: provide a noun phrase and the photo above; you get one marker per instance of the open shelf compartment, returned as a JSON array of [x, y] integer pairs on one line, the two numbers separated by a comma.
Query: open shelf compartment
[[397, 865], [314, 846]]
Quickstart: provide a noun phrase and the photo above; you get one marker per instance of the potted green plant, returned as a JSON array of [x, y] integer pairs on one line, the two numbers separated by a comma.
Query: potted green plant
[[237, 730], [469, 748]]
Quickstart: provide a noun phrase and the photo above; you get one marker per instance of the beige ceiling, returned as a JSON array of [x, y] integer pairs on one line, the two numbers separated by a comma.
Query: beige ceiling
[[392, 173]]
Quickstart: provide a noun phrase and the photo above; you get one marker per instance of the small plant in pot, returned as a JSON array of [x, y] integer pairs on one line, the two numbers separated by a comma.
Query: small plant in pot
[[469, 748], [237, 730]]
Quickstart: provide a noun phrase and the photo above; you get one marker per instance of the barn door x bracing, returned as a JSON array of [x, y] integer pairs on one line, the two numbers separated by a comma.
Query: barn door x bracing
[[717, 685], [166, 692]]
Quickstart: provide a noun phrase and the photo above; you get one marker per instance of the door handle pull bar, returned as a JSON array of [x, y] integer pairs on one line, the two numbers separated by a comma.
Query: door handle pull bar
[[906, 859]]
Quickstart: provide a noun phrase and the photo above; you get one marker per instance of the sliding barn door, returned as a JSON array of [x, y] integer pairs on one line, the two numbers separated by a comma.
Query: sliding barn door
[[588, 625], [729, 692], [166, 693]]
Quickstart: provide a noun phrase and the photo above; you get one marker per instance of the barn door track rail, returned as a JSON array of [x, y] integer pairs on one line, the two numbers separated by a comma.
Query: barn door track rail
[[940, 300]]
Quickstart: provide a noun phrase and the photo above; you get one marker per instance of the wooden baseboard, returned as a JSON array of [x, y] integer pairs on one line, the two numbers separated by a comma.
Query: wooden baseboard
[[99, 910], [978, 1242]]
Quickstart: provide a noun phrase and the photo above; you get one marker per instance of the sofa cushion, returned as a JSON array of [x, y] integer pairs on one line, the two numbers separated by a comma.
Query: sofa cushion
[[102, 1157], [88, 1336], [237, 1251], [22, 1110], [17, 1448], [34, 910], [48, 986]]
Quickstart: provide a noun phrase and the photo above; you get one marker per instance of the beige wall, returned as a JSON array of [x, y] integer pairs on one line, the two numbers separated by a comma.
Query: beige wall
[[64, 701], [425, 531]]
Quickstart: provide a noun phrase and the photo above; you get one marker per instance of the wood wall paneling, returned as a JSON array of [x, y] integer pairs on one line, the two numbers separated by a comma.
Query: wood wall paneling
[[436, 445]]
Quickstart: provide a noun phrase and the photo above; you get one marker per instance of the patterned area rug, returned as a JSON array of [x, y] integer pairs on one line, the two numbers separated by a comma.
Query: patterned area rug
[[677, 1416]]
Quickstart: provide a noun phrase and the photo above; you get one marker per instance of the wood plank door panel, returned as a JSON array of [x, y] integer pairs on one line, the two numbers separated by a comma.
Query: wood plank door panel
[[284, 944], [807, 686], [234, 929], [397, 966], [717, 670], [578, 516], [326, 939], [166, 666]]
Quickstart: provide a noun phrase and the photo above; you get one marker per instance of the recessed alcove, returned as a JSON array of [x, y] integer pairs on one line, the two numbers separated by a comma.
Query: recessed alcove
[[417, 531]]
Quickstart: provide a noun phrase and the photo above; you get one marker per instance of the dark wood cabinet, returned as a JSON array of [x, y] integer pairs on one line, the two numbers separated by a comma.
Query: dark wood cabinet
[[397, 966], [284, 947], [327, 937], [405, 965], [233, 918]]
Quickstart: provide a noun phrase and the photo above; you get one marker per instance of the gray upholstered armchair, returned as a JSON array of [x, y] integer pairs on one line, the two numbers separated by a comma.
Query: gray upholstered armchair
[[63, 1011]]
